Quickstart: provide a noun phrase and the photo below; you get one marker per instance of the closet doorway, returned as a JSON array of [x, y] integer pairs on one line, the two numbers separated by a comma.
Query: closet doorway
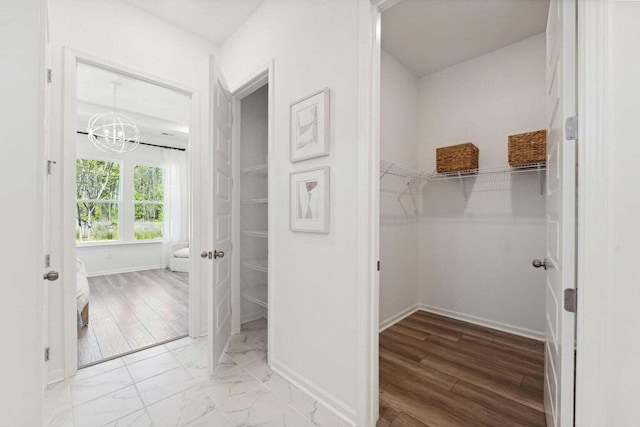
[[252, 110], [127, 180], [470, 332]]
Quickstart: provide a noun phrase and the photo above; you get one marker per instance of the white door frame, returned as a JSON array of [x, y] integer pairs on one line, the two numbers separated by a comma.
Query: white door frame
[[592, 235], [260, 77], [66, 208], [593, 280]]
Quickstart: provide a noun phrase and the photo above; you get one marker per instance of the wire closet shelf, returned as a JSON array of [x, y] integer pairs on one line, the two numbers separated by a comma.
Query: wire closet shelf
[[395, 169], [415, 179], [529, 167]]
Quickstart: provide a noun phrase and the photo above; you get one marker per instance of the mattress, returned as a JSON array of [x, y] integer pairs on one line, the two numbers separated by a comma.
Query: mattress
[[82, 286]]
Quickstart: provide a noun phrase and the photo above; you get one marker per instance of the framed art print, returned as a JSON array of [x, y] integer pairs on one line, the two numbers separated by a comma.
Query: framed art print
[[309, 126], [309, 198]]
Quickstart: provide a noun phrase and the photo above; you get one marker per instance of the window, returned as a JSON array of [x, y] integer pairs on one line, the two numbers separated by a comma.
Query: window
[[148, 196], [97, 200]]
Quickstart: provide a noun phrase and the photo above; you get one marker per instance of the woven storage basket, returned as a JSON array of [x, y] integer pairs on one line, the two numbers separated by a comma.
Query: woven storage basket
[[530, 147], [457, 158]]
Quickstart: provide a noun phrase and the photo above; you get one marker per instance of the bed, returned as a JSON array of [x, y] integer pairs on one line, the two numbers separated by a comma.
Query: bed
[[179, 259], [83, 294]]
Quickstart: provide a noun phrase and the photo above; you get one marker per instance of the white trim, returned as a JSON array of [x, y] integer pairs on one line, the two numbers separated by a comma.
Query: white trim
[[264, 75], [331, 402], [68, 118], [398, 317], [55, 376], [126, 270], [107, 243], [251, 318], [491, 324], [368, 210], [480, 321], [593, 248]]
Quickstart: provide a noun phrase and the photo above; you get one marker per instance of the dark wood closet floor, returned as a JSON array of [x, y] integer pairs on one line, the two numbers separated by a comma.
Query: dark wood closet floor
[[130, 311], [437, 371]]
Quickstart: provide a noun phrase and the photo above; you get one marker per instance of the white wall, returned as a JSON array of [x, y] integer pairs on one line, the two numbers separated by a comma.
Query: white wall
[[314, 45], [475, 254], [398, 222], [143, 42], [21, 251], [623, 345]]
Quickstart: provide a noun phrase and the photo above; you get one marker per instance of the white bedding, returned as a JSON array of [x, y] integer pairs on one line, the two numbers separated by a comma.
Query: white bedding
[[82, 292]]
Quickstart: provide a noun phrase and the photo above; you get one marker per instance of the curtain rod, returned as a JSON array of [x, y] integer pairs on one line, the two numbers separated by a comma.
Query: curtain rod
[[143, 143]]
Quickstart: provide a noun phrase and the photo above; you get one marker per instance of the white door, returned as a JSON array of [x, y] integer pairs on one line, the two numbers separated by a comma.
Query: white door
[[220, 257], [561, 211]]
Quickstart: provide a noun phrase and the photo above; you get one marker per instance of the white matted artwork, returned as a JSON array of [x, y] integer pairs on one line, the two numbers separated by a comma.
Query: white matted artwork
[[309, 200], [309, 122]]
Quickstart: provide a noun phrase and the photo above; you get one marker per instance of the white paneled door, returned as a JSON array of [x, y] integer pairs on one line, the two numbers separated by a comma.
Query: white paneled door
[[561, 213], [220, 257]]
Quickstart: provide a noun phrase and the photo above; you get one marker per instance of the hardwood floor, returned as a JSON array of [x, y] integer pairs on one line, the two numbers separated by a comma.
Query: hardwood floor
[[437, 371], [130, 311]]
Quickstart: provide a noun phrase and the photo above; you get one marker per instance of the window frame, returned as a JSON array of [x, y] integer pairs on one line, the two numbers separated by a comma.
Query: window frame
[[119, 202], [135, 202]]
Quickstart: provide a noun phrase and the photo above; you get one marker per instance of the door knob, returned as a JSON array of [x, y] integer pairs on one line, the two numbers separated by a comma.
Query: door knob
[[218, 254], [52, 276], [537, 263], [204, 254]]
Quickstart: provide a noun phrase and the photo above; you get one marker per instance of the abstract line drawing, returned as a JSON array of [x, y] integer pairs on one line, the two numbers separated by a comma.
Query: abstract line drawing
[[307, 200], [307, 127]]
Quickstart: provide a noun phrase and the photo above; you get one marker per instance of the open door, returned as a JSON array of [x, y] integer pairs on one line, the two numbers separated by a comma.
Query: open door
[[220, 255], [561, 214]]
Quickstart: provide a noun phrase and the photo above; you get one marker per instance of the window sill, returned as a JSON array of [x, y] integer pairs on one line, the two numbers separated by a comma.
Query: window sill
[[118, 243]]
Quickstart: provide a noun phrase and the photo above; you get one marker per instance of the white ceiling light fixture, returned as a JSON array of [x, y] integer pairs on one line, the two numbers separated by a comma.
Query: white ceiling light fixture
[[113, 132]]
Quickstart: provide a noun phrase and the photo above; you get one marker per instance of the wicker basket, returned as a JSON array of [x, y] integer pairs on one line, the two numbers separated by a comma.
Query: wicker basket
[[530, 147], [457, 158]]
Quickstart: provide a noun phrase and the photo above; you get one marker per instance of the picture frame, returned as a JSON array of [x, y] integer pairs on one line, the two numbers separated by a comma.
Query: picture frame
[[309, 126], [309, 200]]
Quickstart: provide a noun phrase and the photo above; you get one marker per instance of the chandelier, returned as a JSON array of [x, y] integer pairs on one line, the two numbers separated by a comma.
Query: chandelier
[[113, 132]]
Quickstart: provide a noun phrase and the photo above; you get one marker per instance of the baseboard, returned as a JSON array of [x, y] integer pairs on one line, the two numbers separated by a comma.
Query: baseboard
[[331, 402], [55, 376], [523, 332], [398, 317], [126, 270], [251, 317]]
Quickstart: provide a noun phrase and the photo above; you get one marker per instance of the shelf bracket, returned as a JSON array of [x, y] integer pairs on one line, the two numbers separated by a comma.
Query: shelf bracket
[[542, 179], [386, 172], [410, 183], [463, 186]]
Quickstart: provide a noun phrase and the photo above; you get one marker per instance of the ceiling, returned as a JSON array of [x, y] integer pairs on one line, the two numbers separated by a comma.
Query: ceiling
[[429, 35], [156, 110], [214, 20]]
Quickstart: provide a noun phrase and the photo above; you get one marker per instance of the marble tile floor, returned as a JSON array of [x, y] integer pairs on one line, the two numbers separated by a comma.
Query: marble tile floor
[[169, 385]]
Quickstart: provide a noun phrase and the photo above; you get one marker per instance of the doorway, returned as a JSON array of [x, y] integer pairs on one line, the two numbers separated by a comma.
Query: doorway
[[253, 127], [459, 298], [132, 217], [133, 226]]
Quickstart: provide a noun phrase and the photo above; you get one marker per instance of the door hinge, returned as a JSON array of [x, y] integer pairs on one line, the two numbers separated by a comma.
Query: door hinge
[[49, 164], [46, 354], [47, 261], [571, 128], [49, 75], [570, 300], [378, 265]]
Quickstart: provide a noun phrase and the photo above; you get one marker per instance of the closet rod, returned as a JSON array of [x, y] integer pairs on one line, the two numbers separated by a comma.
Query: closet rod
[[143, 143]]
